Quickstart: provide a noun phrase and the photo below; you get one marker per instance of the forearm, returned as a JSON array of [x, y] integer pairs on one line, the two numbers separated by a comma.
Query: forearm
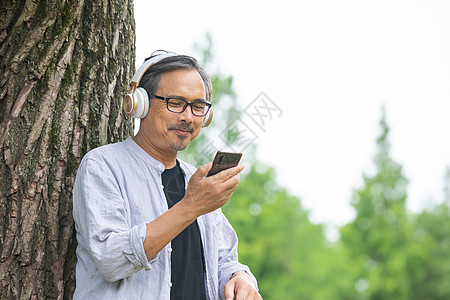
[[166, 227]]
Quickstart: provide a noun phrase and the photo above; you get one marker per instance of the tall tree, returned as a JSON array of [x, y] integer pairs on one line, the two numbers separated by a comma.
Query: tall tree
[[378, 238], [65, 66]]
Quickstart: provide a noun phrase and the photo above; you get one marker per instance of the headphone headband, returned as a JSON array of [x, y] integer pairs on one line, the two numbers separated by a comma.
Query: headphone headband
[[146, 65]]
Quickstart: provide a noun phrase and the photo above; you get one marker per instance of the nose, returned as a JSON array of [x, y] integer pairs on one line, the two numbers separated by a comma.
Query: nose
[[187, 115]]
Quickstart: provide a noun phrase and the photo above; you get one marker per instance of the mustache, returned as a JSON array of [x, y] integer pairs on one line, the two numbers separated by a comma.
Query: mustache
[[182, 126]]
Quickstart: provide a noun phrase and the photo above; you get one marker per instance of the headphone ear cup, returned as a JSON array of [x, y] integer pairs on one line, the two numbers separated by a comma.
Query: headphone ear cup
[[208, 118], [142, 103], [128, 104], [136, 104]]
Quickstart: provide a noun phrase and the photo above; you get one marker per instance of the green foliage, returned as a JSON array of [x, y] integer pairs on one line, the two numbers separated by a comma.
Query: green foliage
[[287, 253], [432, 232]]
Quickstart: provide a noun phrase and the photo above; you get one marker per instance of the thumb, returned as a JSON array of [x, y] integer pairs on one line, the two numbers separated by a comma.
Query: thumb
[[201, 171]]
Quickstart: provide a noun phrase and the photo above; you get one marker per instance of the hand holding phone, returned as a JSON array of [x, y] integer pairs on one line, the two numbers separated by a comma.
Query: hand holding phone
[[223, 161], [206, 194]]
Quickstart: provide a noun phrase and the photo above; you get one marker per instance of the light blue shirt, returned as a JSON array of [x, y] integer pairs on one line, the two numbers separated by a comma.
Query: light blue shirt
[[118, 190]]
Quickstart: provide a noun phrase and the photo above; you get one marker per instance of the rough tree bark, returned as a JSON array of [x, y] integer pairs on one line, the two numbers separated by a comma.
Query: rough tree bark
[[65, 66]]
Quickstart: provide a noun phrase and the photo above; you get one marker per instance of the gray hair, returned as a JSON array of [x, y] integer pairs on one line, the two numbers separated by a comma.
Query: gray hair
[[151, 79]]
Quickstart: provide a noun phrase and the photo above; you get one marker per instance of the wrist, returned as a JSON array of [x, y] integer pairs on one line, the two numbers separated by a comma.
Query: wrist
[[186, 209]]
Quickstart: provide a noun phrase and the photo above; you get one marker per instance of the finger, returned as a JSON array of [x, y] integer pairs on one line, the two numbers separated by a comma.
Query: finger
[[226, 196], [231, 183], [241, 293], [229, 290], [229, 173], [202, 171]]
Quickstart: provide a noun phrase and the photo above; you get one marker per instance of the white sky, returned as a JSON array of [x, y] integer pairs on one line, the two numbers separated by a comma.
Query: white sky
[[329, 66]]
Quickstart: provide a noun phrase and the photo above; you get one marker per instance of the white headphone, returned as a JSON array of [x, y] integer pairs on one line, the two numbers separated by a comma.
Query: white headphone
[[136, 102]]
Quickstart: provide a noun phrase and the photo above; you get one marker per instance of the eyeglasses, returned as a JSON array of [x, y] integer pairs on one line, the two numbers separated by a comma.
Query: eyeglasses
[[199, 108]]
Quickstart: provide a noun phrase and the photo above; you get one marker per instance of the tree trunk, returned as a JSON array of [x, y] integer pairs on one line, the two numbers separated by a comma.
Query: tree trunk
[[65, 66]]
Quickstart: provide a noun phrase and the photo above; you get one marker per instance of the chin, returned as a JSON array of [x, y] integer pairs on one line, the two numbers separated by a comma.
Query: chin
[[179, 147], [181, 144]]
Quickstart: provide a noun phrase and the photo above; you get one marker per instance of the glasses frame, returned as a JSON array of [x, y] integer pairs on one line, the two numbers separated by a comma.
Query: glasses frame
[[167, 99]]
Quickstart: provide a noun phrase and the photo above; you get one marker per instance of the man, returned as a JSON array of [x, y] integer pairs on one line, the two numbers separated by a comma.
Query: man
[[149, 226]]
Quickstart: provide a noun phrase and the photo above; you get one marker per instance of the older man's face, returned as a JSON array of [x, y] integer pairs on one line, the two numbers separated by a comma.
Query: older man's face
[[170, 131]]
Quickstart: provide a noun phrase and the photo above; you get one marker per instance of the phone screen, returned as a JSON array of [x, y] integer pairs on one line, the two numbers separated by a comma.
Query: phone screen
[[223, 161]]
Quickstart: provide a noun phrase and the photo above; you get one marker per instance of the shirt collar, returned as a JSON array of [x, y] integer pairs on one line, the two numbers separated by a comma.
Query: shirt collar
[[137, 150], [157, 165]]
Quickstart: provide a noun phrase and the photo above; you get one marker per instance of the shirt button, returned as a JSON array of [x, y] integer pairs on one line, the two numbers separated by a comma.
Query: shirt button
[[170, 284], [162, 187], [169, 249]]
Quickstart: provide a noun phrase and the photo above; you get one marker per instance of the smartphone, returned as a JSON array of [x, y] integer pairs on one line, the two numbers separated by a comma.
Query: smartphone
[[223, 161]]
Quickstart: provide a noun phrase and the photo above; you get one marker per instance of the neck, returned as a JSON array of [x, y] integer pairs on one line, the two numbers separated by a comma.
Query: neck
[[167, 158]]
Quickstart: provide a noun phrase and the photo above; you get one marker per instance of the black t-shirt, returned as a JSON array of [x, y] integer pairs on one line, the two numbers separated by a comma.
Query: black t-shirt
[[188, 264]]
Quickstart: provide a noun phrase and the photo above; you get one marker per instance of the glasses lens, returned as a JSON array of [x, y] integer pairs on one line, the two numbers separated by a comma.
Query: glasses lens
[[199, 108], [176, 105]]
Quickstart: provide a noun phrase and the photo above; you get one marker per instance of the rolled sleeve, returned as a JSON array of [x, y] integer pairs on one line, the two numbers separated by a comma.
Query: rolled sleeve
[[135, 251]]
